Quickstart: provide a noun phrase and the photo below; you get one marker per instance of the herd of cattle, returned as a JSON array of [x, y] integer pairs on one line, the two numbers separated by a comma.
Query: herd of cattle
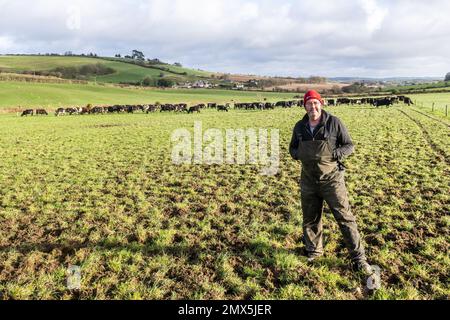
[[183, 107], [376, 102]]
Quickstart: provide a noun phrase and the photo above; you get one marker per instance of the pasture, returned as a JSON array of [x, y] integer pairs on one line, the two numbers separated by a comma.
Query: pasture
[[41, 63], [102, 193], [16, 96], [426, 101]]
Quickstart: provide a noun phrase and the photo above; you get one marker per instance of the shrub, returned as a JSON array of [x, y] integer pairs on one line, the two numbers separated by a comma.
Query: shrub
[[148, 82], [165, 83], [82, 72]]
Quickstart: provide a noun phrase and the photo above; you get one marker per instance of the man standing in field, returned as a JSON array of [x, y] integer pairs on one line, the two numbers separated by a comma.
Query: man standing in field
[[321, 141]]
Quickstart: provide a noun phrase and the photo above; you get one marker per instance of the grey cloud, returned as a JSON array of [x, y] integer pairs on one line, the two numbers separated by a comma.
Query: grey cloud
[[331, 38]]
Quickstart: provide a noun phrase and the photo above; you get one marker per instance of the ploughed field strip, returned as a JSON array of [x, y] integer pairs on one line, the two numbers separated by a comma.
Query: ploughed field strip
[[102, 193]]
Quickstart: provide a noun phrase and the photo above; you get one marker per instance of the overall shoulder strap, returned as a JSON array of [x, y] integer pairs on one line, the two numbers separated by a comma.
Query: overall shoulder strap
[[326, 133]]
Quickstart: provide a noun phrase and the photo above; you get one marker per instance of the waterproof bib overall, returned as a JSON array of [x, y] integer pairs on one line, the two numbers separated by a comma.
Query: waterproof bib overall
[[322, 180], [317, 159]]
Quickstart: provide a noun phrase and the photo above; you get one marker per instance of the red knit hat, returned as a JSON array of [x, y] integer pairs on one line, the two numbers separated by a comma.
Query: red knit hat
[[312, 94]]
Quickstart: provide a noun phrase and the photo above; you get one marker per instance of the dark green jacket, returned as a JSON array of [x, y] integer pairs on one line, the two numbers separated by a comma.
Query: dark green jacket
[[330, 127]]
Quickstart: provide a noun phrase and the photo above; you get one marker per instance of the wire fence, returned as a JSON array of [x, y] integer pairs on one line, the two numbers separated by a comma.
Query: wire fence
[[438, 108]]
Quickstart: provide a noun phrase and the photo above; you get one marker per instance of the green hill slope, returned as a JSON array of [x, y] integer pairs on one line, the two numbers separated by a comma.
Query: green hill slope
[[41, 63], [125, 72]]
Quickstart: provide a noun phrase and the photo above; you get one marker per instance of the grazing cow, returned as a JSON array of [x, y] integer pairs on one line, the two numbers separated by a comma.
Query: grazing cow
[[367, 101], [182, 107], [151, 108], [41, 112], [117, 108], [260, 106], [343, 101], [408, 101], [269, 105], [97, 110], [405, 100], [130, 109], [285, 104], [72, 111], [167, 108], [194, 109], [383, 102], [28, 112], [60, 112], [331, 102], [222, 108]]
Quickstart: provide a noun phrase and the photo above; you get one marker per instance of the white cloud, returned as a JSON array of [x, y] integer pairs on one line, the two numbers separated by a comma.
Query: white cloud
[[328, 37], [375, 14], [249, 11], [5, 44]]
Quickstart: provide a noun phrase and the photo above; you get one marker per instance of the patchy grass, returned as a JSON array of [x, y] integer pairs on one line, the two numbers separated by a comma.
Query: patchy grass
[[101, 192]]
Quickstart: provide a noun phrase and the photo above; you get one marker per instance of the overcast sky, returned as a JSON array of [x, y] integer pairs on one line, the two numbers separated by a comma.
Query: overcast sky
[[374, 38]]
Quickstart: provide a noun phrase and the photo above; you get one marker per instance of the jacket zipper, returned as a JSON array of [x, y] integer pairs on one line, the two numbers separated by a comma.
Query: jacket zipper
[[313, 136]]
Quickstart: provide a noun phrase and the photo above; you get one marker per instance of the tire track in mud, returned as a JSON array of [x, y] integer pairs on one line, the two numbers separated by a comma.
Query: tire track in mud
[[440, 154], [428, 116]]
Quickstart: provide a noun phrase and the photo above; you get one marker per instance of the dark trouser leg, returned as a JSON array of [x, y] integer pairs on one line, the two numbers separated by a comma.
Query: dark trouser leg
[[312, 207], [335, 194]]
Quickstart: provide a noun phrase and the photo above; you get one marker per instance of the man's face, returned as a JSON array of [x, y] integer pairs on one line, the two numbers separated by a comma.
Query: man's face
[[314, 109]]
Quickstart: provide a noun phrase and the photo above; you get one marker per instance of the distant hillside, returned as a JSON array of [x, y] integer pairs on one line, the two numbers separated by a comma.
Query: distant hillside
[[388, 79], [123, 71]]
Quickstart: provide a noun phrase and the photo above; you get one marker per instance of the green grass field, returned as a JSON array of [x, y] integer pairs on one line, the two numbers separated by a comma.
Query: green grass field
[[426, 86], [41, 63], [125, 72], [20, 94], [190, 72], [440, 100], [102, 193]]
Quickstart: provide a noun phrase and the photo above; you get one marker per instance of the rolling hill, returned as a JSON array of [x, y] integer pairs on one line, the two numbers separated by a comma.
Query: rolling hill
[[124, 72]]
